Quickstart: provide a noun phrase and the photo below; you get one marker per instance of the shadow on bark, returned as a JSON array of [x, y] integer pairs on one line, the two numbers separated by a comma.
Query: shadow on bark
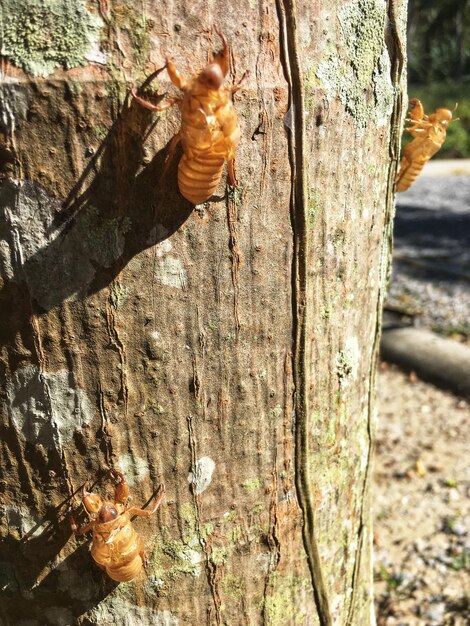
[[68, 591], [54, 251]]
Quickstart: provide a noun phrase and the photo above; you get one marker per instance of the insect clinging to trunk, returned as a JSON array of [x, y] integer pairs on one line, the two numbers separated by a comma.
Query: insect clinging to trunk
[[209, 130], [116, 547], [429, 133]]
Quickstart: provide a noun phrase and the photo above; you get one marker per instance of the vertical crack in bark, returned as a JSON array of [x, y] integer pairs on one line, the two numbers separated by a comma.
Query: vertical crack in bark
[[272, 535], [104, 432], [234, 197], [397, 57], [291, 64], [116, 342], [199, 365]]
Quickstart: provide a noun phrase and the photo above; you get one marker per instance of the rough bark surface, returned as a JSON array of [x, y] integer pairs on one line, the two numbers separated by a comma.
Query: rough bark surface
[[227, 351]]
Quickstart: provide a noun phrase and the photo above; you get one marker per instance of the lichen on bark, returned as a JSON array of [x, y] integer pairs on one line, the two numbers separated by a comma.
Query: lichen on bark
[[40, 35], [359, 72]]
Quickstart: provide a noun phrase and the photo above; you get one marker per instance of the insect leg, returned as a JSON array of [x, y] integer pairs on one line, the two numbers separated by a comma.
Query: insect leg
[[143, 556], [73, 524], [231, 173], [417, 110], [417, 132], [152, 76], [175, 75], [166, 104], [221, 58], [419, 123], [141, 513], [121, 491], [75, 528], [171, 152]]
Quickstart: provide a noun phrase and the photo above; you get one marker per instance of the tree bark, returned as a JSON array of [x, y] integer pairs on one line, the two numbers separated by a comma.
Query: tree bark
[[227, 351]]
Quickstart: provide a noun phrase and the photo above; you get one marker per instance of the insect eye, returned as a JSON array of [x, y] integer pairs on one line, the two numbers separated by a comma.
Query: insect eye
[[107, 513], [444, 115], [212, 76]]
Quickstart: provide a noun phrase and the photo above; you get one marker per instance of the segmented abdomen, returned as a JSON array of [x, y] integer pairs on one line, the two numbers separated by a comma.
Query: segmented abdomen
[[118, 548], [409, 172], [124, 572], [198, 176]]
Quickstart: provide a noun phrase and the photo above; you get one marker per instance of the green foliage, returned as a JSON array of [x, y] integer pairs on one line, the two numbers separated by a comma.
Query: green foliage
[[446, 95], [439, 65], [459, 561], [397, 582], [438, 38], [450, 524]]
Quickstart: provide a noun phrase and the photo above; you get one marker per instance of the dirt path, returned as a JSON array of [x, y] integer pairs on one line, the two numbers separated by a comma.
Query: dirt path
[[422, 504], [446, 167]]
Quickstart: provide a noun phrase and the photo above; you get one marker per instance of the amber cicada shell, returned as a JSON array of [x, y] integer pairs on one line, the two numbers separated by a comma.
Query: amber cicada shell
[[209, 130], [429, 133], [117, 548]]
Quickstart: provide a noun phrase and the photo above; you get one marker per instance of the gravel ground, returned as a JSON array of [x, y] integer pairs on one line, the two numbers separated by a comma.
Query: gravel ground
[[431, 268], [422, 465], [421, 504]]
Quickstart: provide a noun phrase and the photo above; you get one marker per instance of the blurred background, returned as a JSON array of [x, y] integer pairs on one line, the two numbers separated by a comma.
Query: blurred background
[[422, 463], [438, 44]]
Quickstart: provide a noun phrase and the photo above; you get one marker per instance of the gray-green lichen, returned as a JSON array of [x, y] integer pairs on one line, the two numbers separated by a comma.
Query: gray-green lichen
[[252, 484], [234, 586], [347, 362], [283, 604], [359, 72], [275, 412], [314, 205], [116, 609], [40, 35], [173, 558], [133, 22], [119, 294]]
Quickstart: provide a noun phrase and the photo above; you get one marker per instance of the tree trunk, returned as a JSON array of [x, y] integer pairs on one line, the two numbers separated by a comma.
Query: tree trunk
[[226, 351]]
